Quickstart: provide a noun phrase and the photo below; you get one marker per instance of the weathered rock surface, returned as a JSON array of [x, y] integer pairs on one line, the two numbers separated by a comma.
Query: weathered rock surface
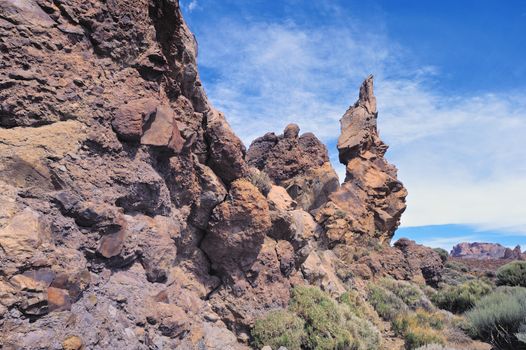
[[237, 228], [371, 199], [131, 217], [298, 163], [421, 259], [111, 162], [477, 250]]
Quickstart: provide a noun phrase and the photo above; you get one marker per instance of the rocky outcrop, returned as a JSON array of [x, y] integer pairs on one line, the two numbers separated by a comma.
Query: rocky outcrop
[[482, 251], [514, 254], [421, 259], [132, 216], [371, 200], [112, 161], [298, 163]]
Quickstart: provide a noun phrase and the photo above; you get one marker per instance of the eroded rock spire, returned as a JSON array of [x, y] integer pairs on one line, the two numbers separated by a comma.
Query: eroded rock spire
[[371, 195]]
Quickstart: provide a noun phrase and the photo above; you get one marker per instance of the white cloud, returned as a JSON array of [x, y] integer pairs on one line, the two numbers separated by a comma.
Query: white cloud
[[192, 5], [462, 158]]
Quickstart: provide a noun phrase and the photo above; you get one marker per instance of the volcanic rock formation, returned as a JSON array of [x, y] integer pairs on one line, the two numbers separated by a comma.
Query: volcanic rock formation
[[131, 215], [111, 162], [298, 163], [371, 200]]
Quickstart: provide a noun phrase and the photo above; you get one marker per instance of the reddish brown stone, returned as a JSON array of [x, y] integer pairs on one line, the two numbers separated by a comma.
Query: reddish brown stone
[[58, 299], [130, 118], [298, 163]]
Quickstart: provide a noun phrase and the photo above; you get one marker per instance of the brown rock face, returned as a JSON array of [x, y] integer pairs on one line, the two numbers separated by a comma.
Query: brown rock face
[[237, 228], [421, 259], [298, 163], [112, 161], [482, 251], [131, 216], [371, 200]]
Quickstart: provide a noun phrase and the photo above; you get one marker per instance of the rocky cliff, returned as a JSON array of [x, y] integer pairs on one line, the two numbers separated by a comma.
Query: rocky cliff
[[132, 216], [483, 251]]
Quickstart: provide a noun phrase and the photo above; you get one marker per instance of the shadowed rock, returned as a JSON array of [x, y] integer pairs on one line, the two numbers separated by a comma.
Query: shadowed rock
[[298, 163]]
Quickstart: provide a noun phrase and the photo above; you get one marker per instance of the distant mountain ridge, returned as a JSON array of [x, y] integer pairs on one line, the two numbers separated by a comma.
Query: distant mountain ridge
[[478, 250]]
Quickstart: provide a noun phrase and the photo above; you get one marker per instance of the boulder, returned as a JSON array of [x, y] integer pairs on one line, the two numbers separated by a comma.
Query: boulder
[[23, 235], [130, 118], [227, 152], [422, 259], [162, 130], [298, 163], [237, 228], [319, 269], [278, 198]]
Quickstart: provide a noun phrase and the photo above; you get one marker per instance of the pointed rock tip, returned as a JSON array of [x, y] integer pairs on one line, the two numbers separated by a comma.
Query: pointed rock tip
[[366, 97]]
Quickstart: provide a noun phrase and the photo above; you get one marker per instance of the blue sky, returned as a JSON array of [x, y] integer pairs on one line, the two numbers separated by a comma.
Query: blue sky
[[450, 82]]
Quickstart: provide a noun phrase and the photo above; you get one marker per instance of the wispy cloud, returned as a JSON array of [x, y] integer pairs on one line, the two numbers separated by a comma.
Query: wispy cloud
[[461, 157], [190, 5]]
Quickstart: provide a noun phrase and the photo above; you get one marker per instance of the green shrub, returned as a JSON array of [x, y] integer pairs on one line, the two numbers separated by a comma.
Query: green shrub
[[325, 323], [497, 317], [419, 328], [458, 266], [279, 328], [409, 293], [444, 255], [420, 318], [461, 298], [386, 303], [359, 307], [314, 320], [366, 336], [417, 337], [512, 274]]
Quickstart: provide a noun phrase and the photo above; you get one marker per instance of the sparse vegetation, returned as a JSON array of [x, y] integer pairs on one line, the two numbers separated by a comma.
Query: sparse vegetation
[[434, 347], [418, 336], [521, 336], [419, 328], [324, 321], [260, 179], [444, 255], [385, 302], [497, 318], [409, 293], [512, 274], [461, 298], [358, 306], [314, 320], [454, 265], [279, 328], [365, 334]]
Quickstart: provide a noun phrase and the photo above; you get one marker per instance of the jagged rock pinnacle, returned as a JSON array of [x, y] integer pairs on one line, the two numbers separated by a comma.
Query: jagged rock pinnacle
[[367, 98], [358, 126], [371, 193]]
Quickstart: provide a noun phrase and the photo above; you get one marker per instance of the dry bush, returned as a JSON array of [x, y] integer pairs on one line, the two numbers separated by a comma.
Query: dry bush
[[498, 317], [260, 179]]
